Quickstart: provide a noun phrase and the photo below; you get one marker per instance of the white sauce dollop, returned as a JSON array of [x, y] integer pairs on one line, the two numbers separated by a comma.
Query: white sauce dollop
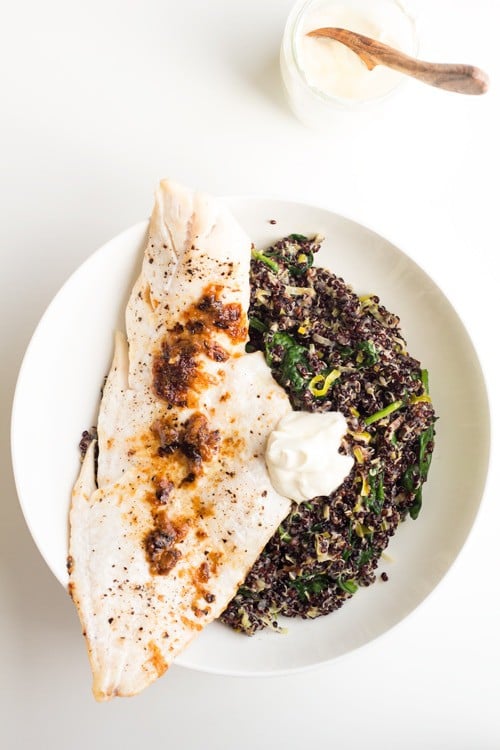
[[302, 454]]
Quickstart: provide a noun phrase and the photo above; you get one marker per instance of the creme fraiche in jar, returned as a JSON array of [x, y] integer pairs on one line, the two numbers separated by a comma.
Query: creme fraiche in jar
[[323, 77]]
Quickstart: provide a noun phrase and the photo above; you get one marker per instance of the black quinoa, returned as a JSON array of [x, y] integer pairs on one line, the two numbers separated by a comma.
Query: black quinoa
[[309, 322], [87, 437]]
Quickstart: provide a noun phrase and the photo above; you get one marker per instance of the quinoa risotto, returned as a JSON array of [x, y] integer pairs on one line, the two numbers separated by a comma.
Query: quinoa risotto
[[331, 349]]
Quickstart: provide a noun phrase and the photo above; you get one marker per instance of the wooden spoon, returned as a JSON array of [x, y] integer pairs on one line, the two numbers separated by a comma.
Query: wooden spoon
[[464, 79]]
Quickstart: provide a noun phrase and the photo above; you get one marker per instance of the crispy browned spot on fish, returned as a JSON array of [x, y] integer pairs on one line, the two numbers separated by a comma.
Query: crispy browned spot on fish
[[190, 624], [167, 431], [146, 295], [199, 442], [215, 351], [203, 573], [161, 559], [194, 438], [199, 578], [165, 487], [176, 369], [160, 543], [199, 612], [158, 662], [214, 559], [227, 317], [232, 446], [69, 564], [202, 507]]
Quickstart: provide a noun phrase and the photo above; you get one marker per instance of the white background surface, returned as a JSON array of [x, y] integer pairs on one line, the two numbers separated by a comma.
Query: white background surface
[[98, 101]]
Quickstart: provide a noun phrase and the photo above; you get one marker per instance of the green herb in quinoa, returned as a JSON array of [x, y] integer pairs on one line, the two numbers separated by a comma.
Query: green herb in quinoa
[[333, 350]]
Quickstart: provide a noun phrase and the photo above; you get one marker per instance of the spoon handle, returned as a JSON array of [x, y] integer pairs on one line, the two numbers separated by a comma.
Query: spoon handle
[[463, 79]]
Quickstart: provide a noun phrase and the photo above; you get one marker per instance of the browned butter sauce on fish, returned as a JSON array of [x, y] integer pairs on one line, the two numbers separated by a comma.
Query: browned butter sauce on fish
[[183, 504]]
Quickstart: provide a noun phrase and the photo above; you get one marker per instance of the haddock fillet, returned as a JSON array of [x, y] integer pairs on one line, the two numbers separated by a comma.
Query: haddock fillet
[[183, 503]]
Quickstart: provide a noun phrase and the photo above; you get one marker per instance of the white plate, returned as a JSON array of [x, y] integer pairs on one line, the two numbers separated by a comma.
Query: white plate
[[58, 391]]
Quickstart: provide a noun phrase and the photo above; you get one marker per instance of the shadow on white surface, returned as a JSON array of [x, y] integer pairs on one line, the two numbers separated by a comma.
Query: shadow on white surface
[[266, 78]]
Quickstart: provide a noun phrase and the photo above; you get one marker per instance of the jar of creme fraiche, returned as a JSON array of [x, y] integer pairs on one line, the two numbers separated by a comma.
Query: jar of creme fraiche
[[323, 77]]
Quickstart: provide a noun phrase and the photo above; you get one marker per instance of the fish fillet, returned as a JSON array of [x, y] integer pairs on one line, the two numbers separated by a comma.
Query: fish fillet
[[182, 505]]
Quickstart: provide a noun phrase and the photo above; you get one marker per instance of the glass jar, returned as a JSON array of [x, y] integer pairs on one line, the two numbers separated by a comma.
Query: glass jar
[[322, 77]]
